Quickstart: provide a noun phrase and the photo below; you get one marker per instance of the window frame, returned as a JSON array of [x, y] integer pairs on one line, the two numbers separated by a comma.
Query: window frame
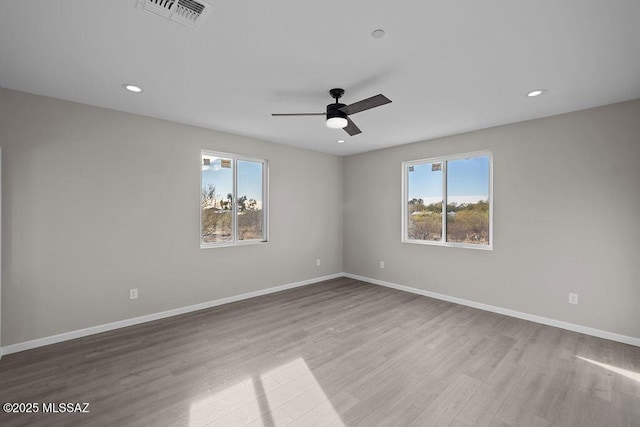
[[235, 158], [444, 160]]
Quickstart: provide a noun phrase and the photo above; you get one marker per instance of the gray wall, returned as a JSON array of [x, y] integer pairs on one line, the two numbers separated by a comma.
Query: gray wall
[[2, 140], [97, 201], [566, 219]]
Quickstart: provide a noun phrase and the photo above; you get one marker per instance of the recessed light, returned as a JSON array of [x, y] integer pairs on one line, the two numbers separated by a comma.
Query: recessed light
[[340, 141], [536, 92], [378, 34], [132, 88]]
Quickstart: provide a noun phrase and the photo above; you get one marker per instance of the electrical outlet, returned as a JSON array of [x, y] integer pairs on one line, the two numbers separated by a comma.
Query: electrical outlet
[[133, 293], [573, 298], [381, 264], [318, 262]]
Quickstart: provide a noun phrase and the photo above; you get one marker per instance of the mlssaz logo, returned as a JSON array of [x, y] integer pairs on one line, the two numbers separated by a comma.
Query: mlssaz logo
[[61, 408]]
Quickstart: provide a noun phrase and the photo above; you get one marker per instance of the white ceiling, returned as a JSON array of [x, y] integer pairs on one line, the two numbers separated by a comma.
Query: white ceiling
[[449, 66]]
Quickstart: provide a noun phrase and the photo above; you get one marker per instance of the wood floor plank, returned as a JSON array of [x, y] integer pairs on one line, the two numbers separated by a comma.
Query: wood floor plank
[[338, 353], [445, 408], [625, 410]]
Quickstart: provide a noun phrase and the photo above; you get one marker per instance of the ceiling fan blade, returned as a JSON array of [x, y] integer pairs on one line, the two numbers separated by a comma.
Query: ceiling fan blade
[[298, 114], [365, 104], [351, 128]]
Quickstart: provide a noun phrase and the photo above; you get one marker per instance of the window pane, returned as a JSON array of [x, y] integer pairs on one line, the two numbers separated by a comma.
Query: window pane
[[250, 200], [216, 197], [468, 200], [424, 201]]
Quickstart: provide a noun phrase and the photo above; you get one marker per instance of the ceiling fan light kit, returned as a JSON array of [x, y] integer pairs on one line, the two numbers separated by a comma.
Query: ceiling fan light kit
[[337, 122], [336, 119], [338, 114]]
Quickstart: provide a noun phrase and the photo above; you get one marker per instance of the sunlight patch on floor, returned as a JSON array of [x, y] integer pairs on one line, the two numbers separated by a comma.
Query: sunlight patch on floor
[[624, 372], [287, 395]]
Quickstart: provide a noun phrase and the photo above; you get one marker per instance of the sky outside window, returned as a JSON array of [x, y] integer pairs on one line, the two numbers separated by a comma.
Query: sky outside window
[[249, 177], [467, 181]]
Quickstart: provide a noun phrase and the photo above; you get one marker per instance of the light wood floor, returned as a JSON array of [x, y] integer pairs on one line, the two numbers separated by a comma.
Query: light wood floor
[[341, 352]]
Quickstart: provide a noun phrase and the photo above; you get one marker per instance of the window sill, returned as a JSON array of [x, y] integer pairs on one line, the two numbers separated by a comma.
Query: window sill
[[232, 244], [449, 244]]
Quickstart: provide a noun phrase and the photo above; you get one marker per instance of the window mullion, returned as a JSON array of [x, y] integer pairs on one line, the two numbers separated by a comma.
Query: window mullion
[[234, 204], [444, 202], [405, 202], [265, 201]]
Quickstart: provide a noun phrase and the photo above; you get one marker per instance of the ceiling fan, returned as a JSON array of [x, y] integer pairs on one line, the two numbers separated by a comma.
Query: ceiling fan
[[338, 114]]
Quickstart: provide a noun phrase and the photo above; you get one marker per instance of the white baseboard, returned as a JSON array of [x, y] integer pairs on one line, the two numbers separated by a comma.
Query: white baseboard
[[507, 312], [27, 345]]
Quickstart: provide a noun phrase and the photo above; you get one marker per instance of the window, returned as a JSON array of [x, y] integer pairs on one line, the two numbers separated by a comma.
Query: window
[[233, 200], [447, 201]]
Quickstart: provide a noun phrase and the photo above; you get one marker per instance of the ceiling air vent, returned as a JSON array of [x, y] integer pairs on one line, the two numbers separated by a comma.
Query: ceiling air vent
[[186, 12]]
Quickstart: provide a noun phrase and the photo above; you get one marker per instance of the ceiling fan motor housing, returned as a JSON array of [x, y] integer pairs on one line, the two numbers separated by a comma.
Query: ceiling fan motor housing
[[333, 110]]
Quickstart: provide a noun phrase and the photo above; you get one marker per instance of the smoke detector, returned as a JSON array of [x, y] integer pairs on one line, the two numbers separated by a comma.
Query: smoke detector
[[185, 12]]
